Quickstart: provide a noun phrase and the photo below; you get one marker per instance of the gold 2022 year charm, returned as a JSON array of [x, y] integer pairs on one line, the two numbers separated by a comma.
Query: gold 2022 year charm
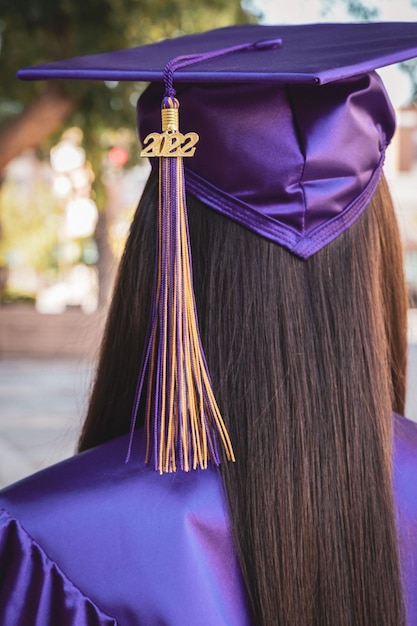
[[169, 144]]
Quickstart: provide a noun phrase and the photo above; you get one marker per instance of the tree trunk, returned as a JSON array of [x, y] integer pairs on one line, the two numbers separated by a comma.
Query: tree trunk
[[44, 116]]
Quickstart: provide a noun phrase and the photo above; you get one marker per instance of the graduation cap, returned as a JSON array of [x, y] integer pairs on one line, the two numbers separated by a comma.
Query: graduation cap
[[284, 130]]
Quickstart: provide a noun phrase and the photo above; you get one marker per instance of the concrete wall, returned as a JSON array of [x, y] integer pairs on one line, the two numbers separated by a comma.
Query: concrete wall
[[24, 331]]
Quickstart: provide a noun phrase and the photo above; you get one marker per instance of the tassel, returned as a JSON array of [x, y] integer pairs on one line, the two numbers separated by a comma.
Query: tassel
[[183, 421]]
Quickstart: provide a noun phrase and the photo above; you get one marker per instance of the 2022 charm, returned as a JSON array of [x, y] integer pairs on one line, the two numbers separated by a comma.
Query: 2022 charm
[[169, 144]]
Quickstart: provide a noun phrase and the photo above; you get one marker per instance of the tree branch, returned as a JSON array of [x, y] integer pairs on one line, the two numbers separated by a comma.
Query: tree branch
[[44, 116]]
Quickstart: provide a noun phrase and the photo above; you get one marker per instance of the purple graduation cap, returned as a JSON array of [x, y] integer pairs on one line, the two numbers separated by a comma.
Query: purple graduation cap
[[292, 124]]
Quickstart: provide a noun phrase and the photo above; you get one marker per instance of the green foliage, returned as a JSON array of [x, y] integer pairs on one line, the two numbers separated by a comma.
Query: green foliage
[[11, 296], [30, 219], [410, 68], [44, 30], [360, 11], [37, 31]]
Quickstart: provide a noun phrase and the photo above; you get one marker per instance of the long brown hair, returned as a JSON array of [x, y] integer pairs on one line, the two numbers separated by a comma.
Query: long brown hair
[[307, 360]]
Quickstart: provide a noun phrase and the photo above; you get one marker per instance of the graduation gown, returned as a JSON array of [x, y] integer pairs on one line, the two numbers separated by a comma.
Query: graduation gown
[[93, 541]]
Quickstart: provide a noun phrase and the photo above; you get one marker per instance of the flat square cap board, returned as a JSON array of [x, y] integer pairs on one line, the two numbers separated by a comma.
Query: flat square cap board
[[310, 53]]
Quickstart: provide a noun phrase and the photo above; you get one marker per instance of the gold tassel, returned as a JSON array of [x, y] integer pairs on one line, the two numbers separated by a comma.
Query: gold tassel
[[183, 421]]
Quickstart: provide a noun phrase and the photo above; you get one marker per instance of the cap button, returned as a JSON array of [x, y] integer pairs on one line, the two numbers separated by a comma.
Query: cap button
[[268, 44]]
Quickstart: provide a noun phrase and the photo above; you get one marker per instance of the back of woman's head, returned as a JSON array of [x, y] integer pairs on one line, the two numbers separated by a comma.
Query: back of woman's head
[[308, 363], [307, 360]]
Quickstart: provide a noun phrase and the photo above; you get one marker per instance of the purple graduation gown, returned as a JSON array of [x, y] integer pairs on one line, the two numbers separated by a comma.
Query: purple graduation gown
[[95, 542]]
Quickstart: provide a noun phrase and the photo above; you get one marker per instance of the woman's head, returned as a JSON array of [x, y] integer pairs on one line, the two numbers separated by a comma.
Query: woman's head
[[231, 265], [307, 360], [303, 329]]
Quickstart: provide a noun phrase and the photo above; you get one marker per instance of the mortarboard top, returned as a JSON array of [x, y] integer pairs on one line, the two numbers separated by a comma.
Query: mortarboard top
[[309, 53]]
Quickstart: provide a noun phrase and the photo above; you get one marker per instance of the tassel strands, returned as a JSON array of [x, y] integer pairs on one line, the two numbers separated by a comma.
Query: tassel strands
[[183, 421]]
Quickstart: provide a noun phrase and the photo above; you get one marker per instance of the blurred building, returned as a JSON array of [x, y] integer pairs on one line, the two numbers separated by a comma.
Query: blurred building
[[401, 170], [49, 283]]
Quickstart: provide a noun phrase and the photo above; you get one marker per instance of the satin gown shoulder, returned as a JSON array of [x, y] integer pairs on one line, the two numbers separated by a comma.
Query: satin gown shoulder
[[405, 493], [93, 540]]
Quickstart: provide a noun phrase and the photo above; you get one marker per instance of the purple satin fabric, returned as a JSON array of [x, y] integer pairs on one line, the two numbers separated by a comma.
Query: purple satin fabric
[[94, 541], [310, 53], [296, 164], [405, 491], [33, 590], [146, 549]]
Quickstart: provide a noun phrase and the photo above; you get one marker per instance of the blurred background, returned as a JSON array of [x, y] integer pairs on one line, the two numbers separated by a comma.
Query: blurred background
[[70, 179]]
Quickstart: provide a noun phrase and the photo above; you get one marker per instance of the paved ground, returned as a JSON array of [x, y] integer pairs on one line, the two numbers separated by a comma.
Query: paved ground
[[42, 403], [41, 407]]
